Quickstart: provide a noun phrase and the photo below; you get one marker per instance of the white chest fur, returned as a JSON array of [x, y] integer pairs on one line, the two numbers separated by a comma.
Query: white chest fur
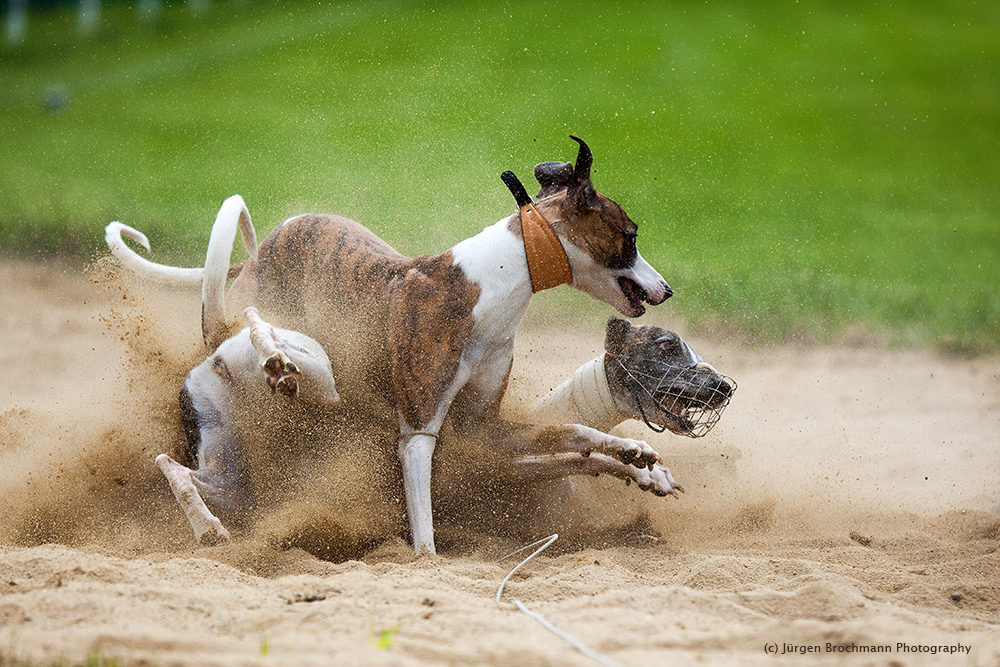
[[494, 260]]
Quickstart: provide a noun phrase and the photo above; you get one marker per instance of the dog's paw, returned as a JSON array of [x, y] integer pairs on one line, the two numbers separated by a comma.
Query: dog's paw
[[656, 480], [630, 452], [214, 534], [282, 374]]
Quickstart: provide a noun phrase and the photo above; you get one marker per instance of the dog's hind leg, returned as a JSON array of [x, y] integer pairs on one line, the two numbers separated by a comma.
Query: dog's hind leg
[[293, 364]]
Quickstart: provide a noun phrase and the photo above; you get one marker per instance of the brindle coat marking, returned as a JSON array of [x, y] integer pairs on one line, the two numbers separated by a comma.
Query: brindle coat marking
[[403, 321]]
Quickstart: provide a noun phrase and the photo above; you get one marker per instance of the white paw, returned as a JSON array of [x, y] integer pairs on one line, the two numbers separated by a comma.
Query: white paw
[[211, 532], [657, 480], [630, 452]]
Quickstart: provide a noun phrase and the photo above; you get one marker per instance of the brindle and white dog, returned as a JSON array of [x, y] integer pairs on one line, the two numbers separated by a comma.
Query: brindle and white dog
[[429, 338]]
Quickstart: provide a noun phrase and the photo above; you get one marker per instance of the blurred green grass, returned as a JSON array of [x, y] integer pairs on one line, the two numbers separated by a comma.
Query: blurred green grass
[[798, 169]]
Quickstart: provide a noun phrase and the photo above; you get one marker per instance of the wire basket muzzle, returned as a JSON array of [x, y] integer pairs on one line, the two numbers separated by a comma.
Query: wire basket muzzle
[[689, 400]]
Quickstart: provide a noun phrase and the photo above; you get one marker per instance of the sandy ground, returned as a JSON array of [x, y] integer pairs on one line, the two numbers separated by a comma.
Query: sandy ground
[[845, 504]]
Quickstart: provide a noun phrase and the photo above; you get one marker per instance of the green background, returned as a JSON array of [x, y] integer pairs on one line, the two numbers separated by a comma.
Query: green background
[[798, 169]]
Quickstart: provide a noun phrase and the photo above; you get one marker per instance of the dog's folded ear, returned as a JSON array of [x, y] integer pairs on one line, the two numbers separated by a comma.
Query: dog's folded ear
[[553, 175], [616, 334]]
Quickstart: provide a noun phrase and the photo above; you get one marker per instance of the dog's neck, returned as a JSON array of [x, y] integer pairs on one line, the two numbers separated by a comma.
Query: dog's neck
[[548, 264], [494, 259], [585, 398]]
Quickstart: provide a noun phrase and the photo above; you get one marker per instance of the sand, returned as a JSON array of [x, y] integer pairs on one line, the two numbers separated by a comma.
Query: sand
[[842, 512]]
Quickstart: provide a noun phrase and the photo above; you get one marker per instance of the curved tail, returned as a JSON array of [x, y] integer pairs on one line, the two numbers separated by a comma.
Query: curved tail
[[233, 215], [113, 234]]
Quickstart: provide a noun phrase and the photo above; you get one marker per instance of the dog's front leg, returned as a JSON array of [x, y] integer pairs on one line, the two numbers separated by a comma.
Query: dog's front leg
[[547, 467], [430, 320], [415, 454], [206, 399], [184, 483], [416, 451], [581, 440]]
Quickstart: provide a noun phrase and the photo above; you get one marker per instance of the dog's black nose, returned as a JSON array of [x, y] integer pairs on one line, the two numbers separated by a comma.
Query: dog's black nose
[[667, 292], [725, 388]]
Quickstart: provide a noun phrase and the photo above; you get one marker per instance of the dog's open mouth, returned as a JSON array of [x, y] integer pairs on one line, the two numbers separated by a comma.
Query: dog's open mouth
[[688, 403], [693, 416], [634, 294]]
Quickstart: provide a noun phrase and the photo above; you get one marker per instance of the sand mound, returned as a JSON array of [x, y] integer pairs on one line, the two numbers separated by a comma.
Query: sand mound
[[844, 503]]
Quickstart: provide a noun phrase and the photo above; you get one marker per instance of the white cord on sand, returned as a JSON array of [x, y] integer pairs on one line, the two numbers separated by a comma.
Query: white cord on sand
[[573, 641]]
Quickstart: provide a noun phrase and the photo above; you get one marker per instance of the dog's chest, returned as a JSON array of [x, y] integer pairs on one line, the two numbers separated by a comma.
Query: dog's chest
[[494, 261]]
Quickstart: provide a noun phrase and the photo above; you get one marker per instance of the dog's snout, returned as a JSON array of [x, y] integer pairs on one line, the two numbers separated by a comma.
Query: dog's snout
[[726, 388], [659, 293], [723, 387]]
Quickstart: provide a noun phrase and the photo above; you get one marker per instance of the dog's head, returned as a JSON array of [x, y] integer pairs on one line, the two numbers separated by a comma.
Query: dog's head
[[598, 236], [656, 377]]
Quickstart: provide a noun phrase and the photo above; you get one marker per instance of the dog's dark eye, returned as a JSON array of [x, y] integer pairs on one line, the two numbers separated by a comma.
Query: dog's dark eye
[[629, 250], [670, 344]]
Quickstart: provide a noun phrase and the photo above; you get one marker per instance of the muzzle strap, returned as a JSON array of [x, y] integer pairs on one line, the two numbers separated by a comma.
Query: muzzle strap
[[548, 265]]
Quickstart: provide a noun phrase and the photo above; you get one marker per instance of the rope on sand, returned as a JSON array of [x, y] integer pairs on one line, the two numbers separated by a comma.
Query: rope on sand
[[571, 640]]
